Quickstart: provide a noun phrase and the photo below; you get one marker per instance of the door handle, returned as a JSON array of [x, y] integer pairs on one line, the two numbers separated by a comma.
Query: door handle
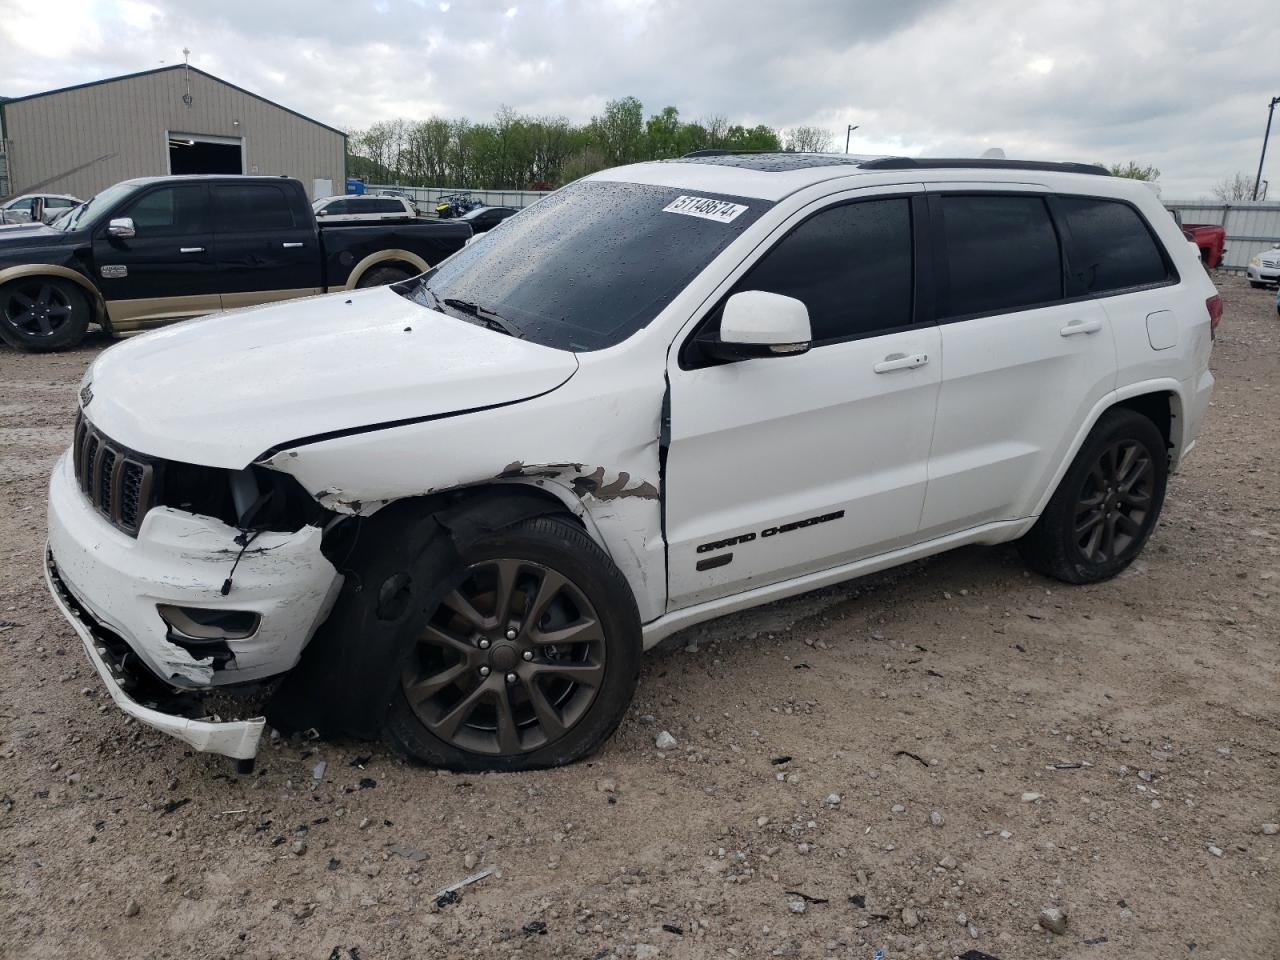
[[901, 361], [191, 249], [1081, 326], [292, 246]]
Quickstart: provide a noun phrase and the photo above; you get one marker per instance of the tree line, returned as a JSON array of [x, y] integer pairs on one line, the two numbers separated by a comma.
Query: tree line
[[523, 152]]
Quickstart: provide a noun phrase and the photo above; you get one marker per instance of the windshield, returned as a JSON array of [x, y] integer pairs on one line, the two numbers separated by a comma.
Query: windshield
[[87, 213], [589, 265]]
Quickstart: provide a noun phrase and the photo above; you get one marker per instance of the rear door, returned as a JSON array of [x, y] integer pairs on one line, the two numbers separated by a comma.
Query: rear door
[[1114, 256], [266, 250], [165, 269], [1023, 365]]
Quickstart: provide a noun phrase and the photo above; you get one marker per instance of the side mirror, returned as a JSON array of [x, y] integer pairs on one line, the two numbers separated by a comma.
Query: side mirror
[[758, 324], [121, 227], [322, 213]]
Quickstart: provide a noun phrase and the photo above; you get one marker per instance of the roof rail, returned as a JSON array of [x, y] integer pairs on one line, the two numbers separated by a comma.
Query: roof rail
[[930, 163], [718, 152]]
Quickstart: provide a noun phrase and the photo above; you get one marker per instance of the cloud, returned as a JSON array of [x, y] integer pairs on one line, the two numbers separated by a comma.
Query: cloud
[[1180, 85]]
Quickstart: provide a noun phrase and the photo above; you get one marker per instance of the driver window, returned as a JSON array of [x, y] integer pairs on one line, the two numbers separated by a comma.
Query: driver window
[[851, 265], [170, 212]]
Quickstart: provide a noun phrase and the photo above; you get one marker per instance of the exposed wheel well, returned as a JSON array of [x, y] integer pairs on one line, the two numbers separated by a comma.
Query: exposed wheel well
[[1160, 409]]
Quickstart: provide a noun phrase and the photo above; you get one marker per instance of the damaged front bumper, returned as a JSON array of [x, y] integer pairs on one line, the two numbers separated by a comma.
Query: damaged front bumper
[[235, 738], [109, 583]]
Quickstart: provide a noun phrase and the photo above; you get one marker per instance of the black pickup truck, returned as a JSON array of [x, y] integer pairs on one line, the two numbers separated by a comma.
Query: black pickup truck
[[149, 251]]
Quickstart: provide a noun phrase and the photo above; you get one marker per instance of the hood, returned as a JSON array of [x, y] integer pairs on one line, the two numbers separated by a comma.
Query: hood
[[30, 235], [222, 390]]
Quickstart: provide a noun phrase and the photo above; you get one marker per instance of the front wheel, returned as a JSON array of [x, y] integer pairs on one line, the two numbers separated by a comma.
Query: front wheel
[[39, 314], [1107, 504], [1257, 284], [529, 662]]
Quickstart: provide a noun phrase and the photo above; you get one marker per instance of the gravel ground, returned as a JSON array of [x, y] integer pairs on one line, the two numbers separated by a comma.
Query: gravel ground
[[918, 762]]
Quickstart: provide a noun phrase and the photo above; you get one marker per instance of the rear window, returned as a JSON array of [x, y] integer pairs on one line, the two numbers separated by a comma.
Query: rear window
[[1002, 255], [1109, 247], [251, 207]]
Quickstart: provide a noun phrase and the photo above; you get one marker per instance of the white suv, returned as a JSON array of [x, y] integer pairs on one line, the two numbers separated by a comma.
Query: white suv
[[452, 512], [368, 206]]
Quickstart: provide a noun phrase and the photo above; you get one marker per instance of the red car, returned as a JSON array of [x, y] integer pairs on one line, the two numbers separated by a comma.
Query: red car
[[1210, 238]]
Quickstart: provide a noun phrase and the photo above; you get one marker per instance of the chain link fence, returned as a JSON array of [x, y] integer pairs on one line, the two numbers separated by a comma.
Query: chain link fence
[[426, 197]]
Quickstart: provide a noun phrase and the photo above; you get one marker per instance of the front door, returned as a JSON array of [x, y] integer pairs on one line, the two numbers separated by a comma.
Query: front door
[[165, 270], [265, 250], [784, 466]]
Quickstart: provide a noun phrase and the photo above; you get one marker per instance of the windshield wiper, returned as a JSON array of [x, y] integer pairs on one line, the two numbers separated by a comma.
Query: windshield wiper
[[486, 316], [422, 285]]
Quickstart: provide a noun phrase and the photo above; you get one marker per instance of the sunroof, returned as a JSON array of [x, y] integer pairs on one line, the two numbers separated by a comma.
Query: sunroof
[[770, 162]]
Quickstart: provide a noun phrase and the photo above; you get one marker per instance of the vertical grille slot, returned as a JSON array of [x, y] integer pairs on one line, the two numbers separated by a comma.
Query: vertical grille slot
[[118, 482]]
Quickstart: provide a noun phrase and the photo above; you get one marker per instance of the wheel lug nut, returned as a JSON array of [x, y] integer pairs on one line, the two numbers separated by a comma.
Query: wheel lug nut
[[511, 678], [528, 654], [511, 634], [484, 644], [484, 671]]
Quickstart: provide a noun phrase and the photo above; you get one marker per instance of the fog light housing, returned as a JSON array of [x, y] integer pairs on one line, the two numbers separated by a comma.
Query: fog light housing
[[208, 623]]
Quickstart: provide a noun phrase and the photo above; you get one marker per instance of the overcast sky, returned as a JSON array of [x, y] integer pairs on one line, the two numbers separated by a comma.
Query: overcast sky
[[1182, 85]]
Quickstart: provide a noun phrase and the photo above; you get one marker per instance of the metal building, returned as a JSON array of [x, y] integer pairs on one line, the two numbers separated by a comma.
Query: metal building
[[175, 119]]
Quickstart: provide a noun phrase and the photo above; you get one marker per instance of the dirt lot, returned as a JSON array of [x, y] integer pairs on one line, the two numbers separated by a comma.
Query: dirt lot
[[954, 685]]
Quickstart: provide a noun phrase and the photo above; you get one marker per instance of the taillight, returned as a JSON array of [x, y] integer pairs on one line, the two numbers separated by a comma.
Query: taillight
[[1214, 306]]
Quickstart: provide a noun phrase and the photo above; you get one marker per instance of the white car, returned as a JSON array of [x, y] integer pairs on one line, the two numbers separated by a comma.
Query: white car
[[1264, 268], [18, 209], [454, 511], [364, 207]]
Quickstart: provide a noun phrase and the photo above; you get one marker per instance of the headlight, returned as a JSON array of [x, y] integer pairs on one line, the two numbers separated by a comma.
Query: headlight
[[1254, 261]]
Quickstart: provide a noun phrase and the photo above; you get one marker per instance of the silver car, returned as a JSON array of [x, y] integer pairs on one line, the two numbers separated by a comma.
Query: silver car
[[18, 209]]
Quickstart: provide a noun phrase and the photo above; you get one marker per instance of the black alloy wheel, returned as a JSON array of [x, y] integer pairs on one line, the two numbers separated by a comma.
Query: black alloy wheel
[[1106, 505], [1113, 505], [509, 663], [42, 314]]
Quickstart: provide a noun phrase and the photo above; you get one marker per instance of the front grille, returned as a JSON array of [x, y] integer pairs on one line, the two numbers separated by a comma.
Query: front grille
[[118, 482]]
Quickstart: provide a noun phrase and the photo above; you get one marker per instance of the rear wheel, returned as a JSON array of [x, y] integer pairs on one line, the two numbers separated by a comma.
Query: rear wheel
[[1106, 506], [39, 314], [529, 662], [381, 276]]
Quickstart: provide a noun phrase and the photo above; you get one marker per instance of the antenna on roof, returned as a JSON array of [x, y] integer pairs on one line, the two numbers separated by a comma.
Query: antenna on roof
[[186, 73], [995, 153]]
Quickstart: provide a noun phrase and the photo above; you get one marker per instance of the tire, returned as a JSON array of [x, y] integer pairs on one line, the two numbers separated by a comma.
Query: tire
[[1075, 540], [1257, 284], [381, 276], [40, 314], [457, 705]]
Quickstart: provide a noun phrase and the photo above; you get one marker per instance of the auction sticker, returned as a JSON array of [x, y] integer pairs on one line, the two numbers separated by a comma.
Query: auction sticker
[[706, 208]]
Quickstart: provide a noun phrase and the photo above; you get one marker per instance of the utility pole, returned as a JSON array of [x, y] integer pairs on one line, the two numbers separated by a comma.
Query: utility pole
[[1262, 159], [854, 126]]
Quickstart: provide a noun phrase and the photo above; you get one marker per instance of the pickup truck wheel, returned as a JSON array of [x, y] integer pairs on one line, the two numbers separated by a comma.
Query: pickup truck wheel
[[1107, 504], [39, 314], [381, 276], [530, 662]]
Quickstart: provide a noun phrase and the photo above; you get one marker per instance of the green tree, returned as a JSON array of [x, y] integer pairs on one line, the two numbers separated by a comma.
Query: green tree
[[1134, 171], [619, 132], [662, 134]]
